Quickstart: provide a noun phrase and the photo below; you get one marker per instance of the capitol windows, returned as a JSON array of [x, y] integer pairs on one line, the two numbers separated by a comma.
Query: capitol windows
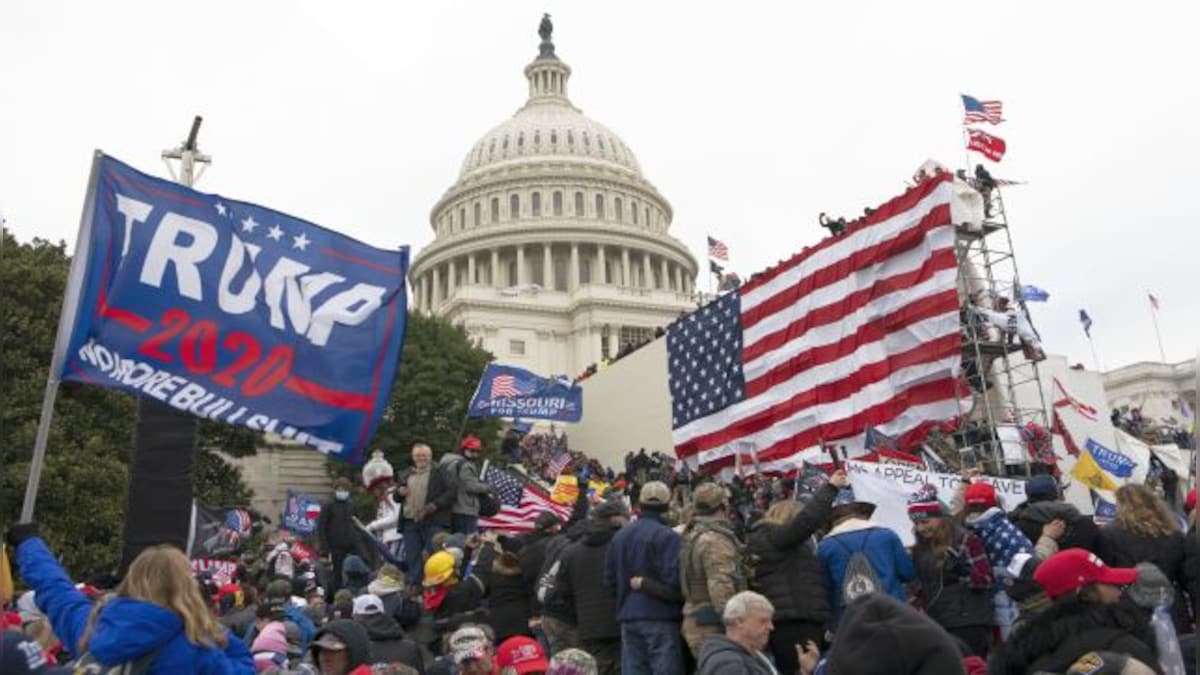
[[514, 207], [570, 137], [557, 203], [505, 145], [535, 204], [478, 215], [634, 211], [648, 223], [537, 138], [495, 209], [599, 207], [553, 138], [587, 142], [462, 218], [618, 212], [516, 347], [521, 140], [579, 203]]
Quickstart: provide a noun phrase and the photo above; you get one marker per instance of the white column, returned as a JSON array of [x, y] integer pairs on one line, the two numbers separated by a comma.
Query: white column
[[522, 275], [435, 298], [647, 271], [665, 275], [625, 266], [495, 269], [470, 269], [678, 278], [451, 278], [547, 268], [600, 276], [573, 269]]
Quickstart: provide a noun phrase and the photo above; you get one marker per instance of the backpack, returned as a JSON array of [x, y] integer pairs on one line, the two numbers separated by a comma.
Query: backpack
[[88, 665], [860, 578]]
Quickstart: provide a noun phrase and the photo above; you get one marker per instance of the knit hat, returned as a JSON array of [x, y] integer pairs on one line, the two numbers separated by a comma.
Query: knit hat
[[522, 654], [343, 634], [377, 470], [1041, 488], [1152, 587], [272, 638], [923, 504], [980, 494], [913, 642], [572, 662], [608, 509], [1074, 568], [389, 580]]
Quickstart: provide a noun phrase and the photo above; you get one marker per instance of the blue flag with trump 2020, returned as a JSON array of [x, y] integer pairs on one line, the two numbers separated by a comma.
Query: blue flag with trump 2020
[[235, 312], [507, 391]]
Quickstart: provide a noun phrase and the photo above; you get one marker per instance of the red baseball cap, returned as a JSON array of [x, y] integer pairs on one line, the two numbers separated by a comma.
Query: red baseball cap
[[1074, 568], [980, 494], [470, 443], [523, 654], [1190, 502]]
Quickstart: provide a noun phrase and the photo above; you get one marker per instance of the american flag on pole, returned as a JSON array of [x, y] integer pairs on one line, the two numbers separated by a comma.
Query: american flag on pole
[[559, 462], [520, 503], [1153, 301], [860, 331], [505, 386], [975, 111], [717, 249]]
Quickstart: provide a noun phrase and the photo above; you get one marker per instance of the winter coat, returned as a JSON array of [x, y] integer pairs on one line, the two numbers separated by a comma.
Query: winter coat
[[1120, 547], [945, 586], [1191, 569], [710, 568], [583, 570], [126, 629], [880, 635], [462, 476], [646, 548], [532, 557], [719, 656], [882, 548], [336, 526], [561, 608], [358, 644], [1056, 638], [439, 493], [786, 568], [1081, 531], [508, 601], [389, 644]]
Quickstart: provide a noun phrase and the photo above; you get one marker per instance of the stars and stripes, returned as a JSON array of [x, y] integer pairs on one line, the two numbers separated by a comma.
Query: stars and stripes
[[520, 502], [975, 111], [860, 331], [1086, 321], [505, 386], [718, 250], [558, 462]]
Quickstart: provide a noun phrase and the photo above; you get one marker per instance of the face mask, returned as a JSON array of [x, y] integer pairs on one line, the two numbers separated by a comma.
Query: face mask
[[342, 495]]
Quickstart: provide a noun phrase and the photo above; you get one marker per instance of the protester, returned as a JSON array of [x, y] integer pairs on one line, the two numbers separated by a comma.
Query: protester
[[451, 599], [1145, 530], [954, 578], [581, 577], [379, 480], [710, 566], [642, 570], [270, 648], [859, 556], [22, 655], [572, 662], [156, 616], [1089, 613], [747, 620], [342, 648], [462, 476], [532, 557], [1010, 553], [557, 612], [880, 635], [473, 651], [428, 501], [338, 535], [521, 655], [389, 644], [1043, 504], [509, 604], [786, 570], [388, 585]]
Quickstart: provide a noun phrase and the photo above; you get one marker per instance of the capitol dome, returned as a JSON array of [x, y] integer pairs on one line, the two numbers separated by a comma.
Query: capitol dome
[[551, 247]]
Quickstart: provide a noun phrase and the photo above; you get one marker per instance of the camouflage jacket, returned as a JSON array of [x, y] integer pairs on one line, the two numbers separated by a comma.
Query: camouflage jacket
[[711, 569]]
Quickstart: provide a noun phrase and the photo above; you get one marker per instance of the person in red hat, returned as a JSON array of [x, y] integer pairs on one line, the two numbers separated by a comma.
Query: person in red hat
[[521, 655], [1089, 612], [462, 475]]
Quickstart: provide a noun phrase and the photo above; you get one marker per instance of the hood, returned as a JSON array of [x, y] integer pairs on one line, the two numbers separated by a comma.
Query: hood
[[506, 565], [1066, 620], [1044, 512], [355, 637], [913, 642], [599, 533], [380, 627], [974, 519], [450, 458], [127, 629], [719, 644], [851, 525]]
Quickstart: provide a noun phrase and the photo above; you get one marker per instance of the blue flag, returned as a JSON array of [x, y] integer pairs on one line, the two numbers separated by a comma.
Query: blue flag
[[301, 513], [234, 312], [1034, 294], [507, 391], [1086, 321], [1113, 462]]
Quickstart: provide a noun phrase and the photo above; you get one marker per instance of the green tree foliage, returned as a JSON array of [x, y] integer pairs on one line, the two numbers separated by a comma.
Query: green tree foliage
[[81, 498], [438, 373]]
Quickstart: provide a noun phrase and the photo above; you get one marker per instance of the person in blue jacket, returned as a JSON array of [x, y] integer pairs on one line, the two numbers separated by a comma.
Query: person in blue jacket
[[156, 618], [853, 532]]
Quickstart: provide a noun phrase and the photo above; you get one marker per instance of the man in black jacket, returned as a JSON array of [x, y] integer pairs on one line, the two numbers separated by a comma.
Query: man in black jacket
[[1044, 504], [338, 534], [389, 644], [581, 579], [532, 554]]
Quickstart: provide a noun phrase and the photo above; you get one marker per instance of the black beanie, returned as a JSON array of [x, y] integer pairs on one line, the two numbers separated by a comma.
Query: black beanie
[[358, 643], [880, 624]]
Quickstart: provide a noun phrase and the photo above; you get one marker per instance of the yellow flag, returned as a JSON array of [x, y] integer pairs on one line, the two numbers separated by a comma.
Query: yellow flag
[[566, 489], [599, 486], [1088, 472], [6, 580]]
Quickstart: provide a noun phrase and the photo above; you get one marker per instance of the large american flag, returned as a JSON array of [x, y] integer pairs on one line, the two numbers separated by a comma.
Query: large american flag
[[520, 503], [975, 110], [860, 331]]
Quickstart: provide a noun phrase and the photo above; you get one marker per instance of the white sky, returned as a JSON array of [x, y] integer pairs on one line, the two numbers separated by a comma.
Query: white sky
[[750, 118]]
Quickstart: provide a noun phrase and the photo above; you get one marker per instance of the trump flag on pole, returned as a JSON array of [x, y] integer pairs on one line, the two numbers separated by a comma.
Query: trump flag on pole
[[506, 391], [234, 312]]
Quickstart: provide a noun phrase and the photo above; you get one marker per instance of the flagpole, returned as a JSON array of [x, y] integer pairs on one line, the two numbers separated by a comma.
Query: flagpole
[[1095, 358], [66, 321], [1154, 315]]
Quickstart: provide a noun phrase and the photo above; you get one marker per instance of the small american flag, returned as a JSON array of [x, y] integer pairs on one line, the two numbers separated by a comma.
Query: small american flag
[[975, 110], [504, 386], [717, 249], [559, 462], [520, 503]]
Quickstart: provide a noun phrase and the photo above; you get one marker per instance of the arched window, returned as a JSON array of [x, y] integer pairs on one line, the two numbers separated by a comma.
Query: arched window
[[570, 137], [557, 203], [505, 145], [478, 215], [514, 207], [495, 209], [618, 212], [537, 138], [648, 223], [492, 148], [553, 138], [462, 218], [600, 143], [521, 140], [535, 204], [587, 142], [579, 203], [599, 206], [634, 211]]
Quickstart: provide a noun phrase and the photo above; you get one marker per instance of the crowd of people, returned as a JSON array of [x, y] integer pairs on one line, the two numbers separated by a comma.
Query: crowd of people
[[665, 572]]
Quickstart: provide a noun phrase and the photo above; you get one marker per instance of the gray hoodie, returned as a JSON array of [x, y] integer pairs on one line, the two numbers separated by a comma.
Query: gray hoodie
[[720, 656], [463, 476]]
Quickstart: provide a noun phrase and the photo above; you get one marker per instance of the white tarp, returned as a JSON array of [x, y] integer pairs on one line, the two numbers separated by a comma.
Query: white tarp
[[889, 485]]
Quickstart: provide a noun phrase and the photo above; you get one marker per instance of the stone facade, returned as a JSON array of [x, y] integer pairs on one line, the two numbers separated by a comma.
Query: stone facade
[[552, 249], [1154, 387]]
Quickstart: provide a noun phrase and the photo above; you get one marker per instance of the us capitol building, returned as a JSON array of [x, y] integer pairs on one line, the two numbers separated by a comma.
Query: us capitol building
[[551, 248]]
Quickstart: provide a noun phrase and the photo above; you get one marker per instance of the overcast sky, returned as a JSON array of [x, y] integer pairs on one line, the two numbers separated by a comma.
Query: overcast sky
[[750, 119]]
